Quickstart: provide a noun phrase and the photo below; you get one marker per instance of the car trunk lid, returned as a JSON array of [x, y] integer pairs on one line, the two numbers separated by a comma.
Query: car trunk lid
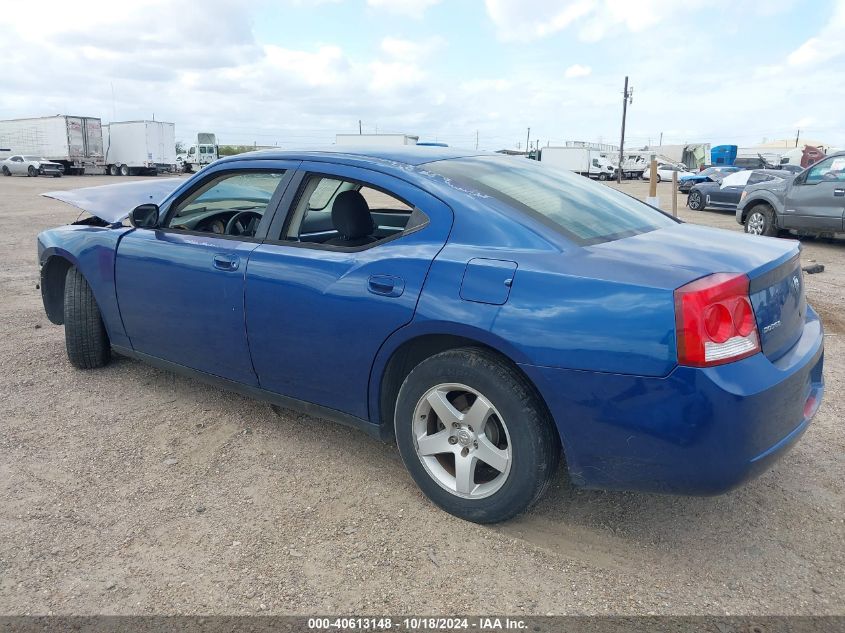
[[683, 253], [780, 306]]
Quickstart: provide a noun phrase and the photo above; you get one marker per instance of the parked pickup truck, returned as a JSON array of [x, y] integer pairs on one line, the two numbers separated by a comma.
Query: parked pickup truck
[[812, 202]]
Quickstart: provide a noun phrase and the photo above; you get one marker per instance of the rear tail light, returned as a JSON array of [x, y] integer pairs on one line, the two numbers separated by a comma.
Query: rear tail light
[[714, 321]]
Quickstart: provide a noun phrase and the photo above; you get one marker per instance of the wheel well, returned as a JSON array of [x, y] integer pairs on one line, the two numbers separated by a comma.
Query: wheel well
[[413, 352], [53, 274], [758, 203]]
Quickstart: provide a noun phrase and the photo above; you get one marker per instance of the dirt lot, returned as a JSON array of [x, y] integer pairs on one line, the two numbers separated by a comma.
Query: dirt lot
[[130, 490]]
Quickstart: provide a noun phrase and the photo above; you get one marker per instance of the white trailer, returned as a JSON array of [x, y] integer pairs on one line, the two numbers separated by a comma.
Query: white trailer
[[139, 147], [74, 141], [204, 152], [376, 139], [582, 160]]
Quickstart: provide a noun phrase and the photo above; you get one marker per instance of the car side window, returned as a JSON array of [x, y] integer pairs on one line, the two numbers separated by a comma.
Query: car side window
[[830, 169], [231, 204], [332, 212]]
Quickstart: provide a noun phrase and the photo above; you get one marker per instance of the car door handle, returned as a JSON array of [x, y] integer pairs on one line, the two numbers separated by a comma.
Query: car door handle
[[386, 285], [839, 193], [226, 262]]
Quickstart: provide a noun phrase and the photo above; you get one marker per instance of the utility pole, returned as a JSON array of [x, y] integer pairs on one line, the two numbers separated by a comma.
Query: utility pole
[[476, 139], [627, 97], [797, 134], [359, 127], [527, 144], [660, 143]]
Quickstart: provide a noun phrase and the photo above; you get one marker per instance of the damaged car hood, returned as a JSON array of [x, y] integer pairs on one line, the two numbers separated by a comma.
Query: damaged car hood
[[113, 203]]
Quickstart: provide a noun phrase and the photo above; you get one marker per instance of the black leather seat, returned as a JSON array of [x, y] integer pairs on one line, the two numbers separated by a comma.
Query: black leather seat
[[351, 218]]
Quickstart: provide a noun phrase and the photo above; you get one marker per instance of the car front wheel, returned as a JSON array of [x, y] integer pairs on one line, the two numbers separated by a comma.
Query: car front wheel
[[760, 221], [474, 436], [694, 200], [86, 339]]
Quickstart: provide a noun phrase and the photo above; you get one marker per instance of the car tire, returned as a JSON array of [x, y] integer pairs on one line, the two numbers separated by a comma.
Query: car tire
[[31, 171], [602, 176], [114, 170], [6, 171], [512, 429], [761, 221], [86, 339], [124, 170], [695, 200], [187, 169], [657, 178]]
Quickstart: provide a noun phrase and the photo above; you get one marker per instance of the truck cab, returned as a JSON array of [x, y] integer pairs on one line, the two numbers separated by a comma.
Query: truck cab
[[204, 152]]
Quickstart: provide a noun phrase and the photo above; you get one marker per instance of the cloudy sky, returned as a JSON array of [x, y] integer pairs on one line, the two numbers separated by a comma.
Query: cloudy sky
[[296, 72]]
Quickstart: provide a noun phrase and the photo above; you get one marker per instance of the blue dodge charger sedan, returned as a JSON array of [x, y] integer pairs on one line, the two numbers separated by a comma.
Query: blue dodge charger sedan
[[491, 314]]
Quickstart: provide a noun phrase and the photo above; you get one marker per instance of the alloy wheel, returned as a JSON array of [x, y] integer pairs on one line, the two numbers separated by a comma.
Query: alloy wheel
[[755, 224], [462, 441], [695, 200]]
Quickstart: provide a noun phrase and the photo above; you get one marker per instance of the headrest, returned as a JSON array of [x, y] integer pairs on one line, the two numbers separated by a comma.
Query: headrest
[[351, 215]]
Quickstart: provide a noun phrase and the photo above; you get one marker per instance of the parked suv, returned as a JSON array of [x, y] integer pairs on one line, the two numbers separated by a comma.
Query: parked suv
[[811, 202]]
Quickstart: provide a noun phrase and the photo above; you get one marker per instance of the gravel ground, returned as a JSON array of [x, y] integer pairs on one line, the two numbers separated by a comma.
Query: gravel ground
[[129, 490]]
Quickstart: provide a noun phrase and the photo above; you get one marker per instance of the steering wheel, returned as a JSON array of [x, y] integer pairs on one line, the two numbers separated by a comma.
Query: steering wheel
[[243, 223]]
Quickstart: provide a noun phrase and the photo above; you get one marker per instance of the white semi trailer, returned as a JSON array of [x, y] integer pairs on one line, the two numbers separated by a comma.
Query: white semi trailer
[[139, 147], [582, 160], [74, 141]]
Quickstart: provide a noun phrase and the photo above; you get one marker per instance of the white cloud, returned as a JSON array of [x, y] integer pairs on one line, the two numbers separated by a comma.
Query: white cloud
[[410, 8], [827, 45], [577, 70], [532, 19], [411, 50]]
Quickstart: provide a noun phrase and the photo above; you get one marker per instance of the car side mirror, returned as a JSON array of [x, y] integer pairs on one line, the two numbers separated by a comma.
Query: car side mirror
[[144, 216]]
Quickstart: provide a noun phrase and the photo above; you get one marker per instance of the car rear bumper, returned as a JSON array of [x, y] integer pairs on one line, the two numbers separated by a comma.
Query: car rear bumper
[[695, 431]]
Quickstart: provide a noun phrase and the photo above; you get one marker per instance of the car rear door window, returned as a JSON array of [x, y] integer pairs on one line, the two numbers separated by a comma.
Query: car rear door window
[[311, 219], [584, 211]]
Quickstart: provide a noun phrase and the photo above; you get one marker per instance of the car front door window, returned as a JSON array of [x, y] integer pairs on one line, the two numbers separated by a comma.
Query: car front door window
[[830, 170], [232, 204]]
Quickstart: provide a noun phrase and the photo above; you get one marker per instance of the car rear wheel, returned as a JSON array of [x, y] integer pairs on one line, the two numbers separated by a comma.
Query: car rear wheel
[[6, 171], [760, 221], [86, 339], [124, 170], [31, 171], [694, 200], [474, 436]]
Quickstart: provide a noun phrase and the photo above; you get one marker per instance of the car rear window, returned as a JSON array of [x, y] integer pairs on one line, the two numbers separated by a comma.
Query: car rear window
[[585, 211]]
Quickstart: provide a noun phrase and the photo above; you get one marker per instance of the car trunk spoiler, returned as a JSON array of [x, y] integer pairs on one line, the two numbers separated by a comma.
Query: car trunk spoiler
[[113, 203]]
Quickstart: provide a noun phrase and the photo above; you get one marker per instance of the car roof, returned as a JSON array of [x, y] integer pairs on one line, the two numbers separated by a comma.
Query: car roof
[[770, 172], [405, 154]]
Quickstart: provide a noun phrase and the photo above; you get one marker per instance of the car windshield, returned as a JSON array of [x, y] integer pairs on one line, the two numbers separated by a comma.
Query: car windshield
[[585, 211]]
